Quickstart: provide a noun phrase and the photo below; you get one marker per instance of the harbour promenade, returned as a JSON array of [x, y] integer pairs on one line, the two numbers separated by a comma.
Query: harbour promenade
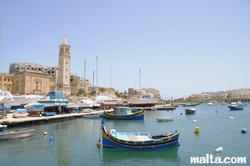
[[10, 121]]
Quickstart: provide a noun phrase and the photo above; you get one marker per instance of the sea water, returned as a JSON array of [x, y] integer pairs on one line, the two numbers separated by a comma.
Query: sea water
[[74, 141]]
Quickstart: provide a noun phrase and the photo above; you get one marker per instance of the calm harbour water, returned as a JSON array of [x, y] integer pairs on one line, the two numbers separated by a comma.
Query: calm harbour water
[[74, 140]]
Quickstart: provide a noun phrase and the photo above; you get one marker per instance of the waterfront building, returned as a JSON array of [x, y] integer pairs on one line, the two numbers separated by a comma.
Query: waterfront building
[[30, 78]]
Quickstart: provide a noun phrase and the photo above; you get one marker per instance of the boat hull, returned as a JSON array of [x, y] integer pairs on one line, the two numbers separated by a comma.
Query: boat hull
[[232, 108], [17, 134], [34, 112], [164, 119], [92, 115], [236, 106], [137, 115], [34, 109], [2, 127], [20, 113], [190, 111]]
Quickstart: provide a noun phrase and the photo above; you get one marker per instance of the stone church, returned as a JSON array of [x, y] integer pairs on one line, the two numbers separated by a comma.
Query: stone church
[[29, 78]]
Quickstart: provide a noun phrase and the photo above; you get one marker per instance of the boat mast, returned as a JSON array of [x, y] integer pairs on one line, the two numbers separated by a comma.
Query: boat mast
[[84, 86], [1, 47], [93, 89], [96, 72], [110, 81], [140, 78]]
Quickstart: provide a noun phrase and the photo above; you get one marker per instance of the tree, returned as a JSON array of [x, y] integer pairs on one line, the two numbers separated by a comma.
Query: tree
[[82, 92], [102, 90]]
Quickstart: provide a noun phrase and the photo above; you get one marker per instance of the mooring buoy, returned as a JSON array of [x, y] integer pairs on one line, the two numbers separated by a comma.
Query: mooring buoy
[[196, 130]]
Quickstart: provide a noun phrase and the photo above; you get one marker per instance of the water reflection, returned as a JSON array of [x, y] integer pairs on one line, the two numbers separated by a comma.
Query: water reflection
[[113, 156]]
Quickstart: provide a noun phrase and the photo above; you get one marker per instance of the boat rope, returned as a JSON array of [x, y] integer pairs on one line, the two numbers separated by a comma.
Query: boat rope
[[99, 141]]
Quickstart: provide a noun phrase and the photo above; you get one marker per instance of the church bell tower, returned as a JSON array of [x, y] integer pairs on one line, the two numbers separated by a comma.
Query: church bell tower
[[63, 81]]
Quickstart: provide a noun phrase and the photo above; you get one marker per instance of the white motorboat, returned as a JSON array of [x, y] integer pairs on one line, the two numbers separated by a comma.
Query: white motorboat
[[236, 106], [165, 118], [16, 134]]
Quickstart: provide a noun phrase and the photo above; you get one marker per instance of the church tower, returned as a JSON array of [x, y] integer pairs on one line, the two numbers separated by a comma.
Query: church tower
[[64, 68]]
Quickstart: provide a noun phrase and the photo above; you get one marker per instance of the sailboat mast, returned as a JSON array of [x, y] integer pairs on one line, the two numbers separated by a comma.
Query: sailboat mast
[[93, 89], [140, 78], [96, 71], [110, 80], [1, 60], [84, 74]]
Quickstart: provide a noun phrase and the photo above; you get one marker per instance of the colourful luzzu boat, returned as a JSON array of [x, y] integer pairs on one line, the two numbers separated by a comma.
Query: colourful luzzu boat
[[138, 140], [125, 113]]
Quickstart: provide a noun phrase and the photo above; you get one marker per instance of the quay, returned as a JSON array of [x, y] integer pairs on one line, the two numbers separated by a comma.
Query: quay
[[10, 121]]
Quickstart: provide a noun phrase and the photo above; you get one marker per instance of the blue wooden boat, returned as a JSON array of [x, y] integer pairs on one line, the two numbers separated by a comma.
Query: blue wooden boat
[[137, 140], [236, 106], [48, 113], [125, 113]]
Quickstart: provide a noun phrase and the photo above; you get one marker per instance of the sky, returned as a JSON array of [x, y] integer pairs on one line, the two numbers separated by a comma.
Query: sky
[[177, 47]]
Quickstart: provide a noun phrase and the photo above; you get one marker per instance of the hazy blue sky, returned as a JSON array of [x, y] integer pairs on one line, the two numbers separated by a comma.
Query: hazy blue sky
[[182, 47]]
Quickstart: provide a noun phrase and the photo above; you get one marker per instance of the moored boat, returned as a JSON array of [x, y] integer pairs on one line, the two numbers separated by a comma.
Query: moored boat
[[236, 106], [106, 102], [48, 113], [164, 118], [20, 113], [92, 115], [138, 140], [34, 109], [145, 100], [190, 111], [2, 127], [125, 113], [211, 103], [16, 134]]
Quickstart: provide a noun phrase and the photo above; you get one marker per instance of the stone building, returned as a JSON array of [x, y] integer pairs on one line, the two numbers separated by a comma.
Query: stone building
[[29, 78]]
